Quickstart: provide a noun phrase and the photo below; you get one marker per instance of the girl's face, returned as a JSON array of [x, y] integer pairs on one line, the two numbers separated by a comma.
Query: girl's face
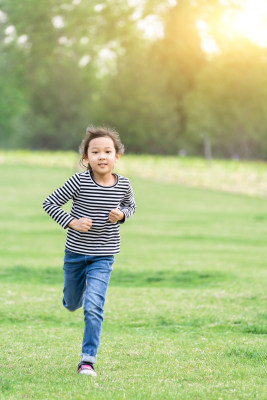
[[101, 155]]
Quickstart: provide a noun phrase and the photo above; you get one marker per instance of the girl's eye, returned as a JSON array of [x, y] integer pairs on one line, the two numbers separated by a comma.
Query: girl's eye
[[108, 152]]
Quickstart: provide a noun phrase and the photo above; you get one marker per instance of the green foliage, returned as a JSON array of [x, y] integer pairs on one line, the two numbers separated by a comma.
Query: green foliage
[[231, 112], [136, 103], [69, 64]]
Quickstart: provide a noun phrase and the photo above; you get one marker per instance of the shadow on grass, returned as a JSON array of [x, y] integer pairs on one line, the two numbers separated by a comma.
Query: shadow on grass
[[146, 278], [246, 353], [167, 278]]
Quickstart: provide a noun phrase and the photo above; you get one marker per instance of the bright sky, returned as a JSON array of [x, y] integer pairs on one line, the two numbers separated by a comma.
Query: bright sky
[[250, 22]]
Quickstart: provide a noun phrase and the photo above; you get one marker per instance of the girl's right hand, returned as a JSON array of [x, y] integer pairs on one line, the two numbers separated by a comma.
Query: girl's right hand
[[81, 225]]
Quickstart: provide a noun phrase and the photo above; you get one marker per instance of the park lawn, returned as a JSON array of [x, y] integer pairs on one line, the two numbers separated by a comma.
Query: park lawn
[[234, 176], [185, 314]]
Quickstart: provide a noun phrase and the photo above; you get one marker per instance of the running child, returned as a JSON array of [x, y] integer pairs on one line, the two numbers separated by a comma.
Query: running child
[[101, 201]]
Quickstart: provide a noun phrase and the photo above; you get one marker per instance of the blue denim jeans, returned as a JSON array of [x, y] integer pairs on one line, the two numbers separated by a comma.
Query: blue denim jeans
[[85, 283]]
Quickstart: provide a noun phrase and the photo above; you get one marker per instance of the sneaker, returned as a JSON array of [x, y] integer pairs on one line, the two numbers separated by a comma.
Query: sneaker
[[86, 368]]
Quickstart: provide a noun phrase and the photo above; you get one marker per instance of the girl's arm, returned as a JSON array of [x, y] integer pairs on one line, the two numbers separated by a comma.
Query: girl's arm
[[127, 205], [52, 204]]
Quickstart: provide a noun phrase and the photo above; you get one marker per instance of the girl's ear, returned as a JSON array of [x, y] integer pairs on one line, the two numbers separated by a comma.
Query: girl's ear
[[85, 158], [117, 157]]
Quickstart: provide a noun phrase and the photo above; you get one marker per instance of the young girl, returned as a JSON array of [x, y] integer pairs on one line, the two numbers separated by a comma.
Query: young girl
[[101, 201]]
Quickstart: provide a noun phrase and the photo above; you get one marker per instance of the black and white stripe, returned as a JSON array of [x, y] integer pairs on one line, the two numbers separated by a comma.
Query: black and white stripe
[[94, 201]]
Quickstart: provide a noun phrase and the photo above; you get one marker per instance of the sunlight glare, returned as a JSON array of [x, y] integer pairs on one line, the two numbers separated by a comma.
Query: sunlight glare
[[251, 22]]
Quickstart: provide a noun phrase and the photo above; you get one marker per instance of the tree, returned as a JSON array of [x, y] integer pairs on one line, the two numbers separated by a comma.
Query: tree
[[56, 91], [135, 101], [67, 63], [229, 103]]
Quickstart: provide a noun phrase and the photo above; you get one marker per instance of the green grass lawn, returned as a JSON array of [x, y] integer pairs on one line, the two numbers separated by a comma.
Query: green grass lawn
[[185, 314]]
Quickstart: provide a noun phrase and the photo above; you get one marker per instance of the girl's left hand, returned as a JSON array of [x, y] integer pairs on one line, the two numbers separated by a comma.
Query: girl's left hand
[[115, 215]]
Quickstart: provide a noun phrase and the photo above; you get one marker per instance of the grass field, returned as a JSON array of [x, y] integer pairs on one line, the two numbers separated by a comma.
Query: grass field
[[185, 314], [228, 175]]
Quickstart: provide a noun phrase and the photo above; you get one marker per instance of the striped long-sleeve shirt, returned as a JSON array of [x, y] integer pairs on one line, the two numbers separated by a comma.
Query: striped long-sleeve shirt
[[91, 200]]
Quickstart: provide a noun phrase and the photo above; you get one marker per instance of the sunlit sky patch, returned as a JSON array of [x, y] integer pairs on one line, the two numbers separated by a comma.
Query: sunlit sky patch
[[58, 22], [249, 22], [151, 26], [84, 60], [3, 17]]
